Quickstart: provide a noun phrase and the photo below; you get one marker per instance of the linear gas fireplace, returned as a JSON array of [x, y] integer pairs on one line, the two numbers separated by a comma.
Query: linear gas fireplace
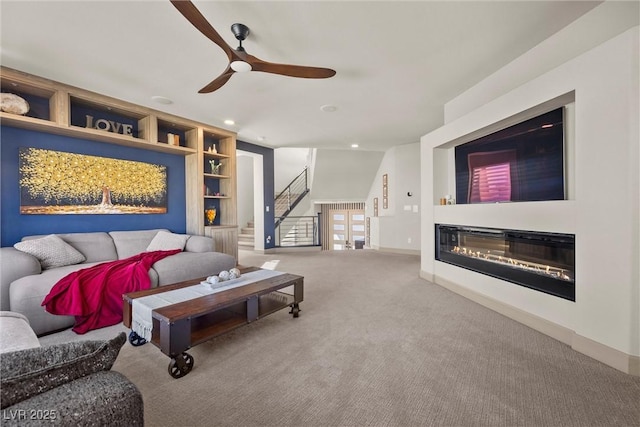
[[540, 261]]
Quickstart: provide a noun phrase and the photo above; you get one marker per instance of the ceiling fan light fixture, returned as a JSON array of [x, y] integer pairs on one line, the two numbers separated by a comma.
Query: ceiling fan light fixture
[[240, 66]]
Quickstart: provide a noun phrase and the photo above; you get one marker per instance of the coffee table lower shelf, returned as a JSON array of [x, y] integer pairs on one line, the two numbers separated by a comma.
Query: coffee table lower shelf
[[181, 326]]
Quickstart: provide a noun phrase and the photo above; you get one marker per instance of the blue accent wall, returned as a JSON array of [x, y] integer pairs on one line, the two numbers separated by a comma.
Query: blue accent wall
[[269, 187], [14, 225]]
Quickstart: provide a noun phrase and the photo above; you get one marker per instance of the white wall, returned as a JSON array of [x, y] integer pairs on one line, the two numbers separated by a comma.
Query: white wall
[[344, 175], [289, 163], [602, 23], [245, 189], [397, 227], [604, 212]]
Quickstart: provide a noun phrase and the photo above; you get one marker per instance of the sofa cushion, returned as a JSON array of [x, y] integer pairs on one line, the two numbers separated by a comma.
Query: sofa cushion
[[199, 244], [96, 246], [51, 251], [191, 265], [14, 264], [166, 241], [27, 373], [15, 332], [130, 243], [26, 295]]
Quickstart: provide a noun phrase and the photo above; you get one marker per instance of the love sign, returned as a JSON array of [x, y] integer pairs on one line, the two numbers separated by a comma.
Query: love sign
[[109, 126]]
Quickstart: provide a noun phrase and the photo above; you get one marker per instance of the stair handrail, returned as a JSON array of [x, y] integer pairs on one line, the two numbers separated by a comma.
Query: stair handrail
[[293, 181], [300, 183]]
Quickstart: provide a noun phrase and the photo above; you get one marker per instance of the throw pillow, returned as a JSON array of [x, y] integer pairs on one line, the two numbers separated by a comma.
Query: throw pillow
[[26, 373], [165, 241], [51, 251]]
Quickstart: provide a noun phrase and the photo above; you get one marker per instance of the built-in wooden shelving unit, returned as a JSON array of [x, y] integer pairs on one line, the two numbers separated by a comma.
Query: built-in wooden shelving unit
[[65, 110]]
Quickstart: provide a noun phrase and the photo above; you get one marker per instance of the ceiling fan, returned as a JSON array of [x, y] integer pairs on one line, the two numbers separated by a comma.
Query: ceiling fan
[[239, 59]]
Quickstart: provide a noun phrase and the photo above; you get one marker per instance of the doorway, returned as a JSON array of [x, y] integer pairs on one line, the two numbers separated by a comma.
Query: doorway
[[250, 197], [343, 226], [347, 229]]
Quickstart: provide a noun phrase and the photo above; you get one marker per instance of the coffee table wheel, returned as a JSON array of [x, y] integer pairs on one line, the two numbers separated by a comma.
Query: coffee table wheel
[[181, 365], [295, 309], [136, 340]]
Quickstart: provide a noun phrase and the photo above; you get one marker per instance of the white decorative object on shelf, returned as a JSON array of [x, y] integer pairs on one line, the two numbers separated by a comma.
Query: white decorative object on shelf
[[224, 275], [10, 103], [235, 271]]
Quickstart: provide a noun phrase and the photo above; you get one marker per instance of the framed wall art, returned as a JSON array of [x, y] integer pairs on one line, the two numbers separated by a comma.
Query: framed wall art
[[56, 182], [385, 191]]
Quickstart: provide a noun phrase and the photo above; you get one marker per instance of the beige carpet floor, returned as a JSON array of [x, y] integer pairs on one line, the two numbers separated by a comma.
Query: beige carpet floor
[[375, 345]]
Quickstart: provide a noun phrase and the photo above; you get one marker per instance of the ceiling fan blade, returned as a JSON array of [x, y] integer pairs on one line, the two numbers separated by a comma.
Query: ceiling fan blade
[[193, 15], [218, 82], [290, 70]]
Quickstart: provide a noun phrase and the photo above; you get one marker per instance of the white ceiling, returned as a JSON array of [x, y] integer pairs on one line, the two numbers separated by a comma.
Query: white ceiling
[[397, 62]]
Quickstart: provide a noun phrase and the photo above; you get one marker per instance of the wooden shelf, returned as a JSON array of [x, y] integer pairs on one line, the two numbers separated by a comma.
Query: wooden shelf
[[210, 175], [274, 301], [225, 230], [206, 327], [46, 126], [215, 155]]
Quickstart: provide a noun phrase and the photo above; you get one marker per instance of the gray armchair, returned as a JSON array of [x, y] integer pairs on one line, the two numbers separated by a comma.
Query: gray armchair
[[63, 384]]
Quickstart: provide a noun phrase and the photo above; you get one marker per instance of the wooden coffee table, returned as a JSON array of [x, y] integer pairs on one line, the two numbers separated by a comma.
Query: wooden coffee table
[[181, 326]]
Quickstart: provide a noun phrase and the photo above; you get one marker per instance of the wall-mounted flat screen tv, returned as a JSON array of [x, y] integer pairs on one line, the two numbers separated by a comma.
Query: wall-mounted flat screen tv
[[524, 162]]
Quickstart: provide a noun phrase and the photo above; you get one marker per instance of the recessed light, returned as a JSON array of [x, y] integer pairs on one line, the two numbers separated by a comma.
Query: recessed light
[[161, 100], [354, 145], [547, 126], [229, 122], [328, 108]]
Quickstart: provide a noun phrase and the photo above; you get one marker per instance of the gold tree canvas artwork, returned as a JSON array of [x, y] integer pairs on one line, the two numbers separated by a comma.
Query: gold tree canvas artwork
[[55, 182]]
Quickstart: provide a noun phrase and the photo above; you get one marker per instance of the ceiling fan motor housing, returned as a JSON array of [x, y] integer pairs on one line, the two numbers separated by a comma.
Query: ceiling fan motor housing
[[240, 31]]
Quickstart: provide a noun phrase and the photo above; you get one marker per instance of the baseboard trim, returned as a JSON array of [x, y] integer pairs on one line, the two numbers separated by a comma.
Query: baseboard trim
[[617, 359], [289, 249], [397, 251], [554, 330]]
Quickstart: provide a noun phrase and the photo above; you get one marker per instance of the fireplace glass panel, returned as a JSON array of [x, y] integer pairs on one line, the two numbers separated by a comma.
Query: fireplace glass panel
[[540, 261]]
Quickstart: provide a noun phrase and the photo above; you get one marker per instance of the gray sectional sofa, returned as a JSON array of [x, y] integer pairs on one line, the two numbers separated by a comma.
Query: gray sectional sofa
[[24, 283]]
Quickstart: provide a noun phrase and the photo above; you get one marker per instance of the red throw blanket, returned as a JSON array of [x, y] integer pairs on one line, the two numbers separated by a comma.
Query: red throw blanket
[[94, 294]]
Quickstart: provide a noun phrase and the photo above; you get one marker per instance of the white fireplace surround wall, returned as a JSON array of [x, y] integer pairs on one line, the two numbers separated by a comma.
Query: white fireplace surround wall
[[602, 210]]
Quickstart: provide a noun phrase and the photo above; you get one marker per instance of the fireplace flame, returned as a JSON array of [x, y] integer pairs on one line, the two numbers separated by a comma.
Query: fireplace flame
[[542, 269]]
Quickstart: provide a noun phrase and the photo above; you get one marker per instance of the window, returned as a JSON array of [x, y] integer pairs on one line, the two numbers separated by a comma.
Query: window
[[493, 177], [491, 184]]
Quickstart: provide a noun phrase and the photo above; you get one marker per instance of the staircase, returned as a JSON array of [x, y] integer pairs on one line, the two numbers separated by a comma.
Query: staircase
[[298, 231], [246, 237], [294, 231], [290, 196], [290, 231]]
